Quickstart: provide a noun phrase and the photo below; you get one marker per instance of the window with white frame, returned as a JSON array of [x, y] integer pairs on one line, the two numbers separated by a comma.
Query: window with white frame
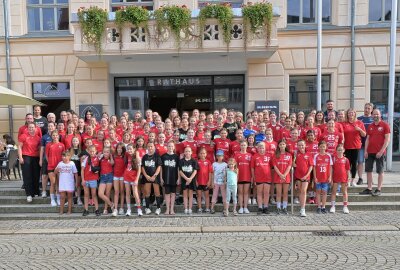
[[234, 3], [47, 15], [305, 11], [116, 4], [381, 10]]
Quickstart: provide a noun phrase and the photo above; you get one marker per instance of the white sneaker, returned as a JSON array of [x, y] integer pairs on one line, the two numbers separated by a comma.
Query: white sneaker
[[249, 202], [44, 194], [158, 211], [79, 201], [246, 211], [354, 184], [194, 202], [303, 212], [337, 194], [186, 211], [349, 184], [346, 210], [272, 201], [190, 211], [29, 199], [128, 212], [254, 202], [115, 213], [53, 203], [296, 200], [240, 211], [121, 212], [58, 201], [147, 211], [332, 210], [139, 212]]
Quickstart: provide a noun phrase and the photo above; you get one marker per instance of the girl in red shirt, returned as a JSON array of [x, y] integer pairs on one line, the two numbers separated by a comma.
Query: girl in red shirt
[[234, 146], [127, 139], [341, 175], [67, 138], [190, 142], [90, 175], [282, 162], [303, 167], [161, 147], [106, 179], [222, 143], [53, 156], [118, 183], [243, 162], [199, 137], [208, 145], [322, 176], [251, 148], [204, 177], [131, 179]]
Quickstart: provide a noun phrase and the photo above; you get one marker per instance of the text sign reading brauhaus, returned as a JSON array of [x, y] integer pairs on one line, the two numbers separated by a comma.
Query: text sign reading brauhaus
[[178, 81]]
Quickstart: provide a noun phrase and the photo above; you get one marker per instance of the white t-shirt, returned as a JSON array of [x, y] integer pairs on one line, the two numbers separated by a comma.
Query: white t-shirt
[[67, 179]]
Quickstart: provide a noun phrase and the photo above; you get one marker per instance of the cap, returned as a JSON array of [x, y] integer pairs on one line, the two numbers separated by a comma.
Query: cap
[[219, 153]]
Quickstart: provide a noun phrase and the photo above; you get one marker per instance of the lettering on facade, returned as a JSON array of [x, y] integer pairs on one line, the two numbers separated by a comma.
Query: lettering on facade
[[178, 81]]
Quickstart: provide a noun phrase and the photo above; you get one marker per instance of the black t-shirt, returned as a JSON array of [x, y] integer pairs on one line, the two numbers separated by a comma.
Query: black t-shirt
[[42, 123], [170, 165], [215, 134], [151, 163], [231, 128], [182, 134], [188, 167]]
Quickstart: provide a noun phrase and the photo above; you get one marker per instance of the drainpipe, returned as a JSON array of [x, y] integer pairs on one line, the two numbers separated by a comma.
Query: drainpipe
[[8, 66], [353, 51]]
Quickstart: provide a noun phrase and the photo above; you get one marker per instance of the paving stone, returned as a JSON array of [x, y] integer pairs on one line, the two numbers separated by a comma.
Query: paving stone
[[102, 230], [164, 230], [365, 228], [6, 231], [216, 229], [299, 228], [47, 231]]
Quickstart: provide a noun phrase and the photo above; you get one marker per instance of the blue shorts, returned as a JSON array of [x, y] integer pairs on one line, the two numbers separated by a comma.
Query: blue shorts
[[91, 183], [131, 183], [106, 178], [322, 186], [361, 158], [118, 178]]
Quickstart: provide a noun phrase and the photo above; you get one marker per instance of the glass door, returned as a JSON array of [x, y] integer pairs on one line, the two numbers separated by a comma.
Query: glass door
[[130, 101]]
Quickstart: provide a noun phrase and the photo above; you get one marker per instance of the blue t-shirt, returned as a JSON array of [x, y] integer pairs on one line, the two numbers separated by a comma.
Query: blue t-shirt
[[219, 172], [46, 138], [231, 177], [367, 120]]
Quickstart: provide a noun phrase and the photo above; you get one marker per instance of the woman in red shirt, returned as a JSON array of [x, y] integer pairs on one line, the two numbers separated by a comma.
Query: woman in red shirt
[[28, 154]]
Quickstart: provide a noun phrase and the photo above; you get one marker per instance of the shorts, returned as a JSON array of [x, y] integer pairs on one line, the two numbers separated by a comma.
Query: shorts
[[260, 183], [170, 189], [91, 183], [67, 185], [369, 163], [106, 178], [50, 171], [131, 183], [322, 186], [202, 187], [44, 167], [191, 186], [243, 183], [361, 159], [303, 181], [340, 180], [118, 178]]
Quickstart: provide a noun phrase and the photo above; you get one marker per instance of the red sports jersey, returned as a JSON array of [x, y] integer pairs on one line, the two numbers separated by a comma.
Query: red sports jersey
[[114, 144], [270, 147], [141, 152], [24, 131], [234, 147], [276, 131], [322, 167], [178, 148], [352, 138], [67, 140], [317, 133], [338, 128], [376, 135], [99, 145], [312, 147], [203, 174], [282, 163], [105, 166], [130, 174], [340, 168], [119, 166], [53, 154], [243, 162], [252, 150], [332, 140], [199, 138], [222, 144], [284, 134], [87, 169], [292, 146], [31, 144], [303, 164], [210, 151], [161, 149], [262, 168], [192, 145]]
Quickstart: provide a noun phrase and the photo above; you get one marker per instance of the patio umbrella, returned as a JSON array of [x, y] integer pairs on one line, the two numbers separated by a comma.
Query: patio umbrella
[[10, 97]]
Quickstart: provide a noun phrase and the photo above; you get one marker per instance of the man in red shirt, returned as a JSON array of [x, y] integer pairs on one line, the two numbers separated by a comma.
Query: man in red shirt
[[24, 129], [378, 138]]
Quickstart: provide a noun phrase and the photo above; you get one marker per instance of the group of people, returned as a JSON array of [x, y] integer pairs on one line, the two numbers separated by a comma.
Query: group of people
[[248, 159]]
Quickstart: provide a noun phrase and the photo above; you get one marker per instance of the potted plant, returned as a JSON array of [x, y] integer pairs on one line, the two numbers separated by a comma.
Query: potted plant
[[257, 16], [93, 24]]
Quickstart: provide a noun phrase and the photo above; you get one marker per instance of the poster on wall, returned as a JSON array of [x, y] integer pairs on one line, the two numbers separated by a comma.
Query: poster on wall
[[96, 109], [270, 105]]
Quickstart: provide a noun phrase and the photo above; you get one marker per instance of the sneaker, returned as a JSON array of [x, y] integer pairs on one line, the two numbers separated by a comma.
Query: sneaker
[[147, 211], [190, 211], [272, 201], [128, 212], [346, 210], [284, 211], [58, 201], [349, 184], [44, 194], [235, 213], [139, 212], [323, 211], [85, 213], [105, 212], [199, 211], [115, 213], [254, 202], [186, 211], [226, 213], [158, 211], [332, 210], [207, 211], [194, 202], [121, 212], [79, 201], [377, 192], [212, 211], [319, 211], [266, 211], [249, 201], [97, 212], [303, 212], [144, 201], [240, 210], [337, 194], [53, 203], [278, 211], [360, 181], [246, 211], [260, 211], [366, 192], [353, 184], [296, 200], [29, 199]]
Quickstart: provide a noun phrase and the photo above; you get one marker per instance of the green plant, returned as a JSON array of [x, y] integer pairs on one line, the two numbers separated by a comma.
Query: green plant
[[176, 18], [93, 24], [223, 13], [135, 15], [256, 16]]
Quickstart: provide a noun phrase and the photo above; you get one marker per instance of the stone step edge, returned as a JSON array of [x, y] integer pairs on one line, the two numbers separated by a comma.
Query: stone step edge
[[199, 229]]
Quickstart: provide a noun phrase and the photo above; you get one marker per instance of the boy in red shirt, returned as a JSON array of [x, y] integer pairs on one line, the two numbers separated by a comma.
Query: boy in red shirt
[[341, 175], [322, 175]]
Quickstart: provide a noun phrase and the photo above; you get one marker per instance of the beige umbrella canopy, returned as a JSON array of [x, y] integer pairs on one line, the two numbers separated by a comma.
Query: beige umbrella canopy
[[10, 97]]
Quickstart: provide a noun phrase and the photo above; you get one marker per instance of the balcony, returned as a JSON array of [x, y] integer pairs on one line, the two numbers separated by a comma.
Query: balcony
[[136, 42]]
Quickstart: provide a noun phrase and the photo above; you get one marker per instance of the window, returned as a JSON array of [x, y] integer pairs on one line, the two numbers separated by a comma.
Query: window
[[234, 3], [115, 4], [305, 11], [303, 92], [47, 15], [381, 10]]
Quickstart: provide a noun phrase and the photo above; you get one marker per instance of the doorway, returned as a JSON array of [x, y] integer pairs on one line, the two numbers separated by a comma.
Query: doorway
[[56, 96]]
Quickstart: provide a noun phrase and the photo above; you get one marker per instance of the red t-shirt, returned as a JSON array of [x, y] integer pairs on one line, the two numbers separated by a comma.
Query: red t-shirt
[[332, 140], [141, 152], [199, 138], [276, 131], [24, 130], [338, 127], [130, 174], [303, 164], [67, 140], [98, 145], [352, 138], [376, 135], [284, 134], [312, 147], [203, 174], [161, 149], [322, 167], [291, 145], [252, 150], [119, 166], [282, 163], [270, 147], [234, 147], [243, 162], [53, 154], [87, 170], [223, 145], [209, 149], [340, 168], [262, 168], [105, 166], [192, 145], [31, 144]]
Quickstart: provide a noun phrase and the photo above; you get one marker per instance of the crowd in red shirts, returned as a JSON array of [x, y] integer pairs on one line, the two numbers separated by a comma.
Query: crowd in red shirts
[[145, 154]]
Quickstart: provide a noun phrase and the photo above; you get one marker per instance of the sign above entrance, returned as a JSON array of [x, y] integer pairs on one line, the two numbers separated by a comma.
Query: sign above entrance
[[178, 81], [51, 90], [96, 109], [270, 105]]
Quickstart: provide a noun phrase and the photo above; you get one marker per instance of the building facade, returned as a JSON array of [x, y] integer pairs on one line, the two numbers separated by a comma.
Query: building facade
[[51, 62]]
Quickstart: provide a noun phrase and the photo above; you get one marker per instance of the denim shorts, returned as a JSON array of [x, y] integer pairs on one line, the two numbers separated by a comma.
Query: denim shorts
[[106, 178], [322, 186], [131, 183], [361, 158], [91, 183], [118, 178]]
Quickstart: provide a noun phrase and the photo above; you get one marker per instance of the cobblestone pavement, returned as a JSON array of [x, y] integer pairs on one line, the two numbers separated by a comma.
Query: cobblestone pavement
[[368, 218], [354, 250]]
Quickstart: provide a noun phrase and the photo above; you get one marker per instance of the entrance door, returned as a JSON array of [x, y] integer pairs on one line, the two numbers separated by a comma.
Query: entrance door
[[130, 101], [55, 95], [162, 101]]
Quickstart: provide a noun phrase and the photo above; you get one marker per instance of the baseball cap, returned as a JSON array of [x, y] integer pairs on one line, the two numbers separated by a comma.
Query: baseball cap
[[219, 153]]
